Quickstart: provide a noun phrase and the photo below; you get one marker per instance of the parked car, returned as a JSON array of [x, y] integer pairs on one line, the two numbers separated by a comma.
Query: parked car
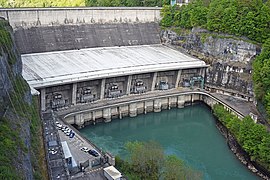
[[68, 132], [84, 149], [64, 128], [72, 134], [93, 152], [59, 126]]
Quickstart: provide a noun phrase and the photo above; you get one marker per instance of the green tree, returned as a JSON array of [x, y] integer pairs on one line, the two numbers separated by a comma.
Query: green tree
[[167, 13], [198, 13], [261, 76], [254, 138], [173, 168], [146, 159]]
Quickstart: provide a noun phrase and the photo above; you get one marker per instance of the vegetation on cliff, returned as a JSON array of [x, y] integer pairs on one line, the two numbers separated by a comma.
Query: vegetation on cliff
[[41, 3], [238, 17], [261, 76], [128, 3], [244, 18], [21, 152], [254, 138], [147, 161], [76, 3]]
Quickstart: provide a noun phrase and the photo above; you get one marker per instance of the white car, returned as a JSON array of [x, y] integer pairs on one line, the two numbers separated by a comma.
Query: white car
[[59, 126], [85, 149], [66, 130]]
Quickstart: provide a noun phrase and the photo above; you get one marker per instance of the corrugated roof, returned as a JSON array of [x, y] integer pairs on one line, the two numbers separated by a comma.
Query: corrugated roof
[[61, 67]]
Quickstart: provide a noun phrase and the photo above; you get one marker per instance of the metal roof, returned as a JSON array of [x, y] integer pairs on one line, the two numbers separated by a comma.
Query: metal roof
[[113, 172], [62, 67]]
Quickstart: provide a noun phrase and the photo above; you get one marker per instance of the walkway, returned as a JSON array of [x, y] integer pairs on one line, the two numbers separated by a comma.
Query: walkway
[[243, 107]]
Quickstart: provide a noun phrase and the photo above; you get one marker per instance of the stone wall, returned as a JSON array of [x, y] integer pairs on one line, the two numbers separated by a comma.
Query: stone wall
[[230, 57]]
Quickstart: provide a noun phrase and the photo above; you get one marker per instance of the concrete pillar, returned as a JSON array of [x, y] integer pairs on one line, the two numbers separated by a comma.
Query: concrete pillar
[[129, 84], [79, 120], [107, 115], [43, 99], [154, 81], [202, 72], [102, 88], [120, 113], [178, 78], [169, 103], [157, 105], [145, 107], [133, 109], [181, 101], [94, 117], [74, 93]]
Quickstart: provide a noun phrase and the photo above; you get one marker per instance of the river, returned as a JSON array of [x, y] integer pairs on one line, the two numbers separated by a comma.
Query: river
[[189, 133]]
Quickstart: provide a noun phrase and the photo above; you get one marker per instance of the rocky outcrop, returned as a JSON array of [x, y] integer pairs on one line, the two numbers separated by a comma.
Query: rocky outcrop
[[230, 57], [10, 62]]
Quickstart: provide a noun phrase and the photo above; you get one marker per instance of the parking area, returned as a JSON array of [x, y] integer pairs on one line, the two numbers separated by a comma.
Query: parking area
[[56, 162], [58, 138], [78, 147]]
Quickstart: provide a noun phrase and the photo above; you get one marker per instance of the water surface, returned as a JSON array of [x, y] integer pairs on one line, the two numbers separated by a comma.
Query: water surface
[[189, 133]]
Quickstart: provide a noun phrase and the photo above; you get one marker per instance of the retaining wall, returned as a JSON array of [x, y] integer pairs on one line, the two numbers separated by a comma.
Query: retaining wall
[[132, 109], [32, 17]]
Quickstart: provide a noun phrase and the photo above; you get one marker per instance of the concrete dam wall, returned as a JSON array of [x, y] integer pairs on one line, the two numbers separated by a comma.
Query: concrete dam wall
[[57, 29], [67, 37], [32, 17]]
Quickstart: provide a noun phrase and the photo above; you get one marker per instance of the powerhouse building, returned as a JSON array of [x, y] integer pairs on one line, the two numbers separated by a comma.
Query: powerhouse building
[[67, 78]]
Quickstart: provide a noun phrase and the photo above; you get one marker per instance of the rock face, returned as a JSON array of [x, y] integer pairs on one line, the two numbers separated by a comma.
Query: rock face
[[230, 58], [10, 61], [10, 73]]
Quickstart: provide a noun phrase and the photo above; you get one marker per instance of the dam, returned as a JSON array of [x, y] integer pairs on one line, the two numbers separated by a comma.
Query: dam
[[92, 65]]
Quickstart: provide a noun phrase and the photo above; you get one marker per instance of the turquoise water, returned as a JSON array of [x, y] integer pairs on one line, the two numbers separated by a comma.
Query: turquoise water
[[190, 133]]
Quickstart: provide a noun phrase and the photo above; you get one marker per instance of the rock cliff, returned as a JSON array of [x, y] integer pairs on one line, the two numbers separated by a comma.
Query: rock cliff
[[18, 116], [230, 57]]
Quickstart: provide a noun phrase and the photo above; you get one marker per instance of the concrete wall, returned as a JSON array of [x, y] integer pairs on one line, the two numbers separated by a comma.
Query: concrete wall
[[64, 96], [32, 17], [133, 108], [67, 37]]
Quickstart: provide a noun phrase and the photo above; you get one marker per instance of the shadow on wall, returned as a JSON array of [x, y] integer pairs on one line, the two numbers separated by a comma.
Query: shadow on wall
[[68, 37]]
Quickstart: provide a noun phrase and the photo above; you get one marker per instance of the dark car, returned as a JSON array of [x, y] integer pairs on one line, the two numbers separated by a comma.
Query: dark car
[[93, 152], [72, 134]]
